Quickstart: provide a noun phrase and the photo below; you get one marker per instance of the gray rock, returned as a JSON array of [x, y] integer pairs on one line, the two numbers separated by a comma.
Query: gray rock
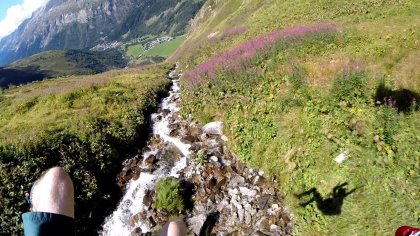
[[248, 218], [241, 212], [247, 192], [275, 228], [237, 180], [262, 203], [233, 192], [214, 128], [196, 223]]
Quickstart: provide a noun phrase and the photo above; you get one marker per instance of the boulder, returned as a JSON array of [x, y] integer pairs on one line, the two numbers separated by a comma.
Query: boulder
[[237, 180], [136, 232], [214, 128], [148, 199]]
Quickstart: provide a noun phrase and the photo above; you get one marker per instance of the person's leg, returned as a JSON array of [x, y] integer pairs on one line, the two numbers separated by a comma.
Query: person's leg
[[173, 228], [54, 193]]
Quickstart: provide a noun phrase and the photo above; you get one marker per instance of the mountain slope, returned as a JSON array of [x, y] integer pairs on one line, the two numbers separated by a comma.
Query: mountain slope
[[84, 24], [333, 115], [60, 63]]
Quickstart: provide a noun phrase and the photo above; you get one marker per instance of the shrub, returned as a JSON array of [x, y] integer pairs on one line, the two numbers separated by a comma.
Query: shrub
[[168, 196], [202, 156], [349, 86]]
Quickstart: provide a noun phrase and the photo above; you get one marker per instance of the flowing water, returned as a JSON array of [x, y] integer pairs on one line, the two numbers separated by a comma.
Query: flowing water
[[132, 202]]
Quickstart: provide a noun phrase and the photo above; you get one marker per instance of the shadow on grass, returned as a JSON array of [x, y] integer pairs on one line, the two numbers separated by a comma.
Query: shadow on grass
[[328, 206], [403, 100]]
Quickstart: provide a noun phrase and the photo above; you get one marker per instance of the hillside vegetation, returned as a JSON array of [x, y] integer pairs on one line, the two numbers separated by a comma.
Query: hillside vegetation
[[86, 124], [299, 83], [52, 64]]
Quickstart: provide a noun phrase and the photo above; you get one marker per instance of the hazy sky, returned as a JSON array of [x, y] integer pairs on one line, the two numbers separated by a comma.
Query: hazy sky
[[14, 12]]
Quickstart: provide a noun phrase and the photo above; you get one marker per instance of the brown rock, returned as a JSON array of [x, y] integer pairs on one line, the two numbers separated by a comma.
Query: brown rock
[[259, 181], [211, 184], [152, 222], [165, 112], [148, 198], [136, 232], [188, 138], [174, 133], [195, 132], [150, 160], [263, 224], [260, 233], [221, 182], [135, 218], [136, 173]]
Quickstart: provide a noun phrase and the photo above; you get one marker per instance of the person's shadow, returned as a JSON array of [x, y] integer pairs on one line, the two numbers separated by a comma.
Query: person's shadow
[[331, 205]]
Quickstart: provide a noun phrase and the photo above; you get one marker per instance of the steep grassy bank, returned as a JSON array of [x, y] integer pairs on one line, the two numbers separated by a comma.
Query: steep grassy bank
[[292, 106], [85, 124]]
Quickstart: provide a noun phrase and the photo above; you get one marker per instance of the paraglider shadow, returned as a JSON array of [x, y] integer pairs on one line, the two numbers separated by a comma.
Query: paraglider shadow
[[328, 206]]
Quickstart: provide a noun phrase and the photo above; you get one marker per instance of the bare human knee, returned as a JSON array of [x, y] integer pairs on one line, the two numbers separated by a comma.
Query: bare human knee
[[53, 192], [174, 228]]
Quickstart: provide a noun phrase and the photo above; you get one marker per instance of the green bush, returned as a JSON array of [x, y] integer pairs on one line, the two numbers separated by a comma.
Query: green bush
[[202, 156], [349, 86], [168, 196]]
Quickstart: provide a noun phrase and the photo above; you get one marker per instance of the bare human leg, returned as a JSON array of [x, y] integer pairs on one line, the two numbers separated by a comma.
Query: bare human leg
[[54, 193]]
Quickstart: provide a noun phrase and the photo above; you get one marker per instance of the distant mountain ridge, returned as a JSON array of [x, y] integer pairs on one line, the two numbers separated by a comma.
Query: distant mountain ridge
[[83, 24]]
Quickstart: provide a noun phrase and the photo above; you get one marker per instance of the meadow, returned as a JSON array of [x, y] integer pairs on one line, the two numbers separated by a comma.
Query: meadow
[[294, 102], [165, 49]]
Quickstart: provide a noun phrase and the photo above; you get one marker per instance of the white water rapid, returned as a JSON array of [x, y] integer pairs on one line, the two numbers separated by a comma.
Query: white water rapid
[[132, 202]]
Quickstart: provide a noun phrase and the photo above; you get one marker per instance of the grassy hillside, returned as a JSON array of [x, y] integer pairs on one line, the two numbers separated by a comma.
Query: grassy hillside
[[60, 63], [87, 124], [334, 77]]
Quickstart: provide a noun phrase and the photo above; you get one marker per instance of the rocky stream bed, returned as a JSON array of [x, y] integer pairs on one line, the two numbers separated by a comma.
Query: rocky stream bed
[[223, 195]]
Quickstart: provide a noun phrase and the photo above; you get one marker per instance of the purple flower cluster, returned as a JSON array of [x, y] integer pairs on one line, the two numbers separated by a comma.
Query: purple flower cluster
[[237, 58], [389, 101]]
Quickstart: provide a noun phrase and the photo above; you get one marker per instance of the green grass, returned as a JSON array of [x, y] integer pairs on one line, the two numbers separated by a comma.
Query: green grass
[[135, 50], [165, 49], [168, 196], [84, 124], [292, 113]]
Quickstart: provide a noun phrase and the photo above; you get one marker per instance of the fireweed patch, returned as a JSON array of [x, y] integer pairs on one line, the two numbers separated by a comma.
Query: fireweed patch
[[239, 57]]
